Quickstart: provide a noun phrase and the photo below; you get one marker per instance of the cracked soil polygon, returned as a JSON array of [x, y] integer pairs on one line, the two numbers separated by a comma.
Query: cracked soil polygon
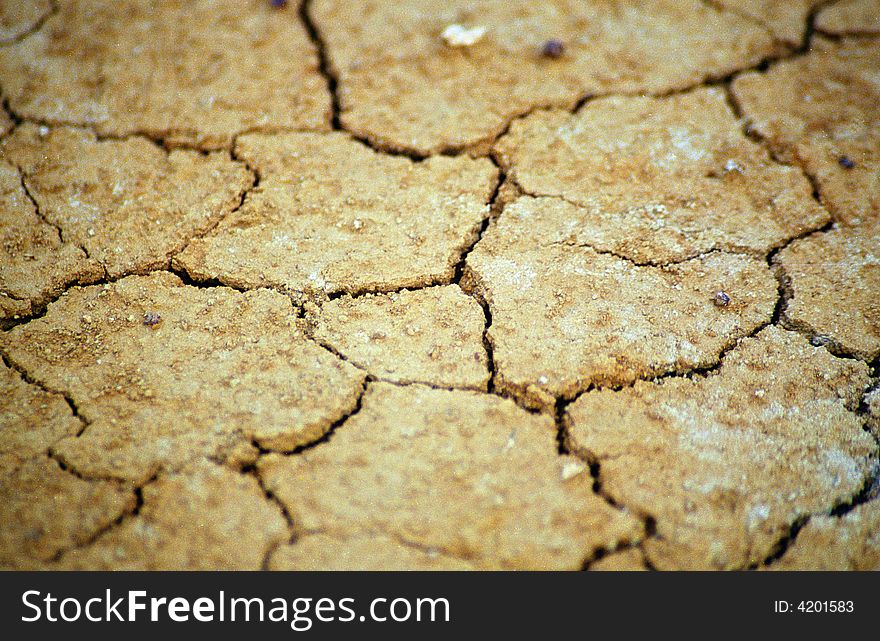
[[660, 179], [395, 466], [192, 72], [332, 215], [416, 93], [199, 518], [432, 336], [127, 203], [822, 112], [322, 285], [565, 317], [726, 463], [833, 281], [221, 369]]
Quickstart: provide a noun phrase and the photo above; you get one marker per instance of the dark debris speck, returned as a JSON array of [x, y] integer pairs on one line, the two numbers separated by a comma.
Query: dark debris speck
[[553, 48], [279, 3], [846, 162], [151, 319]]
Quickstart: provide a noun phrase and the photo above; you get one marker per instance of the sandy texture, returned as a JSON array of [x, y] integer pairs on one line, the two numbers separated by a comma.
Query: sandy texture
[[191, 72], [35, 264], [659, 179], [31, 421], [834, 285], [219, 370], [432, 336], [396, 465], [129, 204], [726, 463], [566, 317], [332, 215], [45, 510], [201, 518], [20, 17], [439, 285], [849, 542], [786, 19], [822, 112], [850, 17], [415, 92]]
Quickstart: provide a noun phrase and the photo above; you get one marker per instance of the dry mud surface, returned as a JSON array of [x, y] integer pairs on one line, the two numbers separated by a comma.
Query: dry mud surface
[[313, 287]]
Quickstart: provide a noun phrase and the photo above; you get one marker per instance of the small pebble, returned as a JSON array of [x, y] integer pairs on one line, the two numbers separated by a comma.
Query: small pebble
[[279, 3], [819, 341], [151, 319], [846, 162], [456, 35], [553, 48], [721, 299], [572, 469]]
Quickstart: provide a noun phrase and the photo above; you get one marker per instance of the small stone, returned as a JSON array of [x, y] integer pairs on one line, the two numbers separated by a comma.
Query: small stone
[[151, 319], [732, 165], [456, 35], [721, 299], [553, 48], [846, 162], [572, 469], [278, 4]]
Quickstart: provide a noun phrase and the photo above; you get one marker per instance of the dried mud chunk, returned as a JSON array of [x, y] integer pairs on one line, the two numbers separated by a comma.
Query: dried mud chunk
[[822, 111], [727, 462], [848, 542], [324, 552], [850, 17], [31, 420], [432, 336], [660, 179], [469, 475], [18, 17], [203, 518], [628, 560], [35, 264], [128, 203], [565, 318], [786, 19], [834, 285], [223, 368], [332, 215], [191, 72], [414, 92], [45, 510]]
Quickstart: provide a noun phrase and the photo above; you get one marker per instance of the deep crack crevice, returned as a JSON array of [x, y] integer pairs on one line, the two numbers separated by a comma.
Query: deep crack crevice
[[566, 447], [325, 66]]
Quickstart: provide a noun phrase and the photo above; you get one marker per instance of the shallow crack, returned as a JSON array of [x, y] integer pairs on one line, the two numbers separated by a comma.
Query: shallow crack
[[34, 28], [865, 494], [39, 384], [122, 518]]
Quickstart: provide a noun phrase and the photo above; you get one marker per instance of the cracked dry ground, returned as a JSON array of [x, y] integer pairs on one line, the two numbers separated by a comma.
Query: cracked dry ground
[[307, 288]]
